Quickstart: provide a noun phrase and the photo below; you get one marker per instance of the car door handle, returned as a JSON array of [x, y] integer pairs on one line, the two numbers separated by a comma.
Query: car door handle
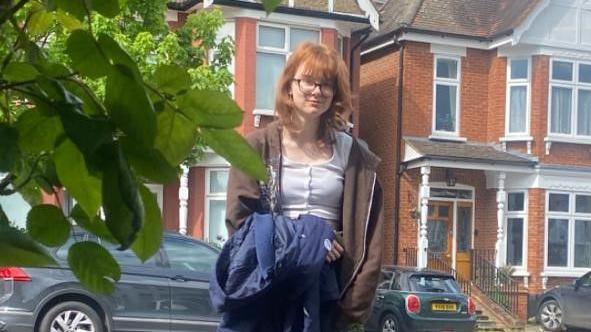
[[380, 297], [179, 278]]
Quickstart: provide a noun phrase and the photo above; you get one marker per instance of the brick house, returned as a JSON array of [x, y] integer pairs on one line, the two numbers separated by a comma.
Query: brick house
[[481, 113], [196, 204]]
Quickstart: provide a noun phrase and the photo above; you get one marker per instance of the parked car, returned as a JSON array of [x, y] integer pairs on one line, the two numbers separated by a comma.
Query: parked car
[[411, 299], [566, 306], [169, 292]]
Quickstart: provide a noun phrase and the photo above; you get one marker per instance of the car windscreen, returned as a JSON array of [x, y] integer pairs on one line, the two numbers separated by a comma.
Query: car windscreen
[[433, 284]]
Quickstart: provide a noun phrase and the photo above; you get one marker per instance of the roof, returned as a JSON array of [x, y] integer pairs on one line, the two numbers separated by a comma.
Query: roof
[[468, 152], [348, 10], [476, 19], [414, 269]]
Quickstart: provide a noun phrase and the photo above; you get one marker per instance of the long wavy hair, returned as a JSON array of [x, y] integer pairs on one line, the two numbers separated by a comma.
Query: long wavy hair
[[323, 63]]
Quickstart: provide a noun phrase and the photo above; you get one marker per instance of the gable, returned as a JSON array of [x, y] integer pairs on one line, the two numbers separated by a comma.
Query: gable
[[562, 23]]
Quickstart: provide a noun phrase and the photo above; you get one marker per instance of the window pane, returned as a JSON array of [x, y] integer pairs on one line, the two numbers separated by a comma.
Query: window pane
[[519, 69], [560, 121], [269, 67], [516, 201], [515, 241], [271, 37], [217, 222], [557, 242], [584, 113], [447, 68], [445, 108], [517, 109], [218, 181], [189, 256], [583, 243], [583, 204], [558, 203], [437, 236], [585, 73], [298, 36], [562, 71], [15, 208], [464, 237]]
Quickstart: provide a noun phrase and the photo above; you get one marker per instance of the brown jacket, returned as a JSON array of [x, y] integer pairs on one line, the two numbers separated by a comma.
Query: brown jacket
[[362, 219]]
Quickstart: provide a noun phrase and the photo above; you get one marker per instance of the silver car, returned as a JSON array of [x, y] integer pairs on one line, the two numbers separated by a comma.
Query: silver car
[[167, 293]]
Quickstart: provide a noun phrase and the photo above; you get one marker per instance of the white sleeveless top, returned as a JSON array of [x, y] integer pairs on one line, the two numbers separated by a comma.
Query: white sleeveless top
[[316, 189]]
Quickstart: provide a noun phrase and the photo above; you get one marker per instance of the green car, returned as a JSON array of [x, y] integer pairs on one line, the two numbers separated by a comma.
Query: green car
[[409, 299]]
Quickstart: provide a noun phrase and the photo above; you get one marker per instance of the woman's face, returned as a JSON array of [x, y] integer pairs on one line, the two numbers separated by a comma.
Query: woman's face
[[311, 96]]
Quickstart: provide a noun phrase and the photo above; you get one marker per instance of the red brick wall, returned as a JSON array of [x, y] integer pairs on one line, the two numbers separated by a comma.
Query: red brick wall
[[170, 208], [245, 70], [379, 95], [474, 95], [497, 89], [535, 241], [196, 208], [418, 90]]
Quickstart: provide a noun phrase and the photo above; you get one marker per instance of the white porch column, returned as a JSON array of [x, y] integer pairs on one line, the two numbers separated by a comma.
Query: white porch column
[[501, 197], [424, 200], [183, 200]]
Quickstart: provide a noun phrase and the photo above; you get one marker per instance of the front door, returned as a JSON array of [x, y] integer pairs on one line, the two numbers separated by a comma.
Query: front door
[[440, 235], [464, 240]]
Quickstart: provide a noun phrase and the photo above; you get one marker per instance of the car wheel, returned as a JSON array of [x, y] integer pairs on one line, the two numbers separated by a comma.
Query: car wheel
[[389, 323], [71, 317], [550, 316]]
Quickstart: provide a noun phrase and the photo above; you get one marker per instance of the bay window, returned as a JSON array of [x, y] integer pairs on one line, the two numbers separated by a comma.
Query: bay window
[[568, 238], [570, 99], [274, 44], [446, 92], [517, 114]]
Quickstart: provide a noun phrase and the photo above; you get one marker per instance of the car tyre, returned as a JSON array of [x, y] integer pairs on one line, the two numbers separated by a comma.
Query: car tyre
[[551, 317], [389, 323], [71, 316]]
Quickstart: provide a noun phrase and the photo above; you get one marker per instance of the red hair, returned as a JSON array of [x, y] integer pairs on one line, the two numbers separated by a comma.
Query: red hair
[[322, 63]]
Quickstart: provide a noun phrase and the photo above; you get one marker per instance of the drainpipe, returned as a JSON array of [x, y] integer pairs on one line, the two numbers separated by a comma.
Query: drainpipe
[[365, 34], [399, 169]]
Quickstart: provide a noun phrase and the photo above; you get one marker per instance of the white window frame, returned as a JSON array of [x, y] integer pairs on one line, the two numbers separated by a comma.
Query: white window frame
[[209, 196], [517, 83], [281, 51], [448, 82], [518, 214], [575, 86], [570, 270]]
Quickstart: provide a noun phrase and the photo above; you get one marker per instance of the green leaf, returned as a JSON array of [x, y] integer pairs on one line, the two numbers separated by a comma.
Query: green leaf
[[74, 7], [69, 22], [176, 136], [86, 55], [18, 249], [149, 163], [40, 22], [107, 8], [94, 266], [95, 225], [90, 104], [117, 55], [19, 72], [212, 109], [122, 204], [172, 78], [129, 105], [149, 237], [234, 148], [87, 133], [73, 174], [38, 132], [9, 152], [270, 5], [47, 224]]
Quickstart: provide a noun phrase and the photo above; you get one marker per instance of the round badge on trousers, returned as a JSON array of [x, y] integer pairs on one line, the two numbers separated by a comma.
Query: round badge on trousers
[[327, 244]]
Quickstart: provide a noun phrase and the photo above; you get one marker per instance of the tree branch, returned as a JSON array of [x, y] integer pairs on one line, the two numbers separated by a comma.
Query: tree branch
[[9, 13]]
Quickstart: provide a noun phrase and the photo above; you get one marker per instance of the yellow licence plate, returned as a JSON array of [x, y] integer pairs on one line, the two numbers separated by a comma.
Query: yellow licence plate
[[444, 307]]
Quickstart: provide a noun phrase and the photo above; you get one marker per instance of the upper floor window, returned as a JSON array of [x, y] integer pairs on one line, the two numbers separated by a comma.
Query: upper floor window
[[518, 78], [274, 44], [570, 99], [447, 94], [568, 230]]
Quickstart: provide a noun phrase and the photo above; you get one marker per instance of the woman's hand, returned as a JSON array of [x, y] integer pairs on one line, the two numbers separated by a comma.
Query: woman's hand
[[335, 252]]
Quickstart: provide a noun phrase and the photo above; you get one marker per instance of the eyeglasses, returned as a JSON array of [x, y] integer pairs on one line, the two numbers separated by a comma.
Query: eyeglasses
[[307, 87]]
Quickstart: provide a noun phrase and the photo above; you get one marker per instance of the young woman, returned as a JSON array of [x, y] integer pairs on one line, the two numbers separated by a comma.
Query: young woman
[[316, 168]]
